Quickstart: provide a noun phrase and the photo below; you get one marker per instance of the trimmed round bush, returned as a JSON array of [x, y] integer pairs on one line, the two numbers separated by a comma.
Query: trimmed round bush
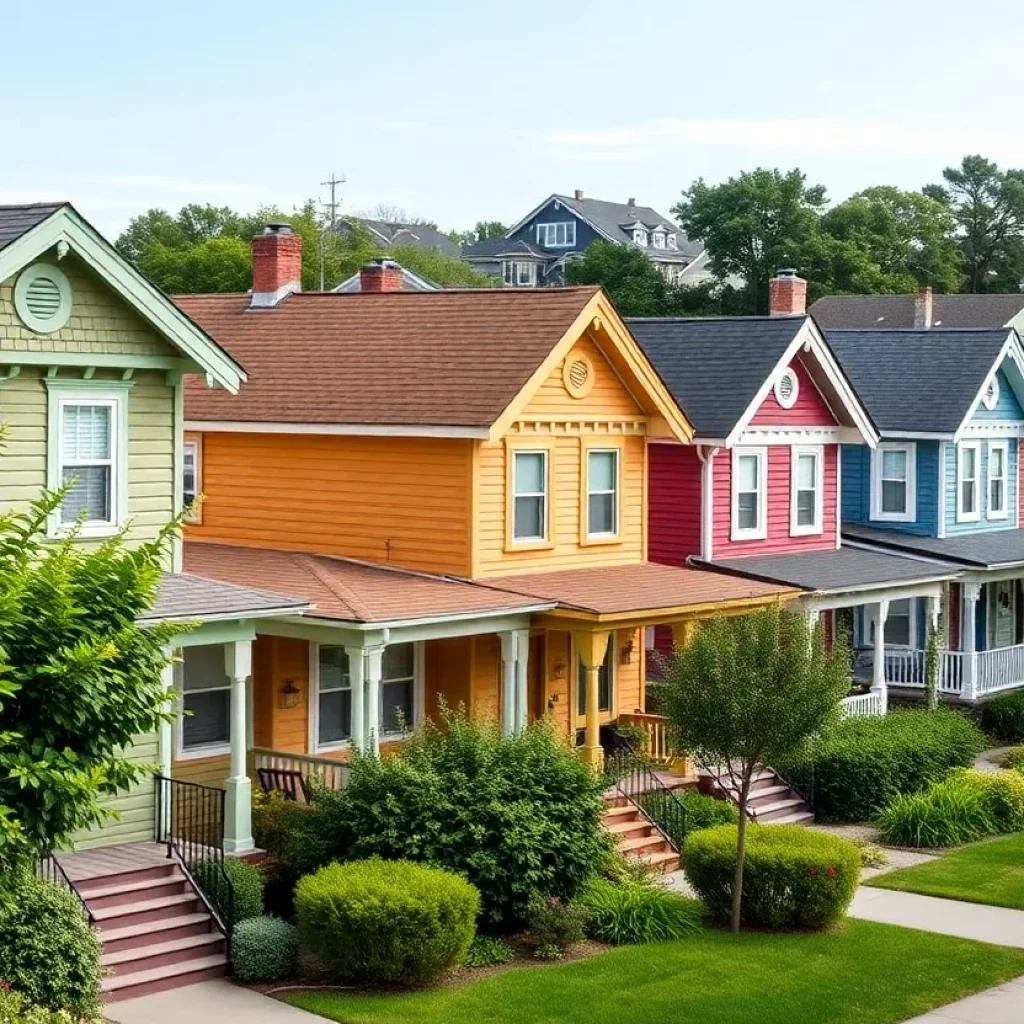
[[1003, 717], [1013, 758], [264, 949], [635, 911], [793, 877], [376, 922], [48, 952], [863, 764]]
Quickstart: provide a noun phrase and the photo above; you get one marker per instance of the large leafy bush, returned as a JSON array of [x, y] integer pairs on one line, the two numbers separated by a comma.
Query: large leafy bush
[[264, 949], [1003, 716], [794, 878], [860, 765], [377, 922], [517, 815], [637, 910], [48, 952], [16, 1009]]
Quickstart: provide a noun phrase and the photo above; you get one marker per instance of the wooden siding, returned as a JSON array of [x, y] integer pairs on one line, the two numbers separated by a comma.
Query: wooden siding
[[856, 489], [385, 499], [447, 668], [1006, 408], [810, 409], [778, 538], [952, 480], [675, 507]]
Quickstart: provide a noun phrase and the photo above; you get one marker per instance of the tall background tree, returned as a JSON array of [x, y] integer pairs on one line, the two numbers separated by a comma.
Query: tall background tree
[[630, 278]]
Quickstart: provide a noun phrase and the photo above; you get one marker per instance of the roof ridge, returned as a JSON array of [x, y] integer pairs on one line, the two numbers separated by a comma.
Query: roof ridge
[[336, 587]]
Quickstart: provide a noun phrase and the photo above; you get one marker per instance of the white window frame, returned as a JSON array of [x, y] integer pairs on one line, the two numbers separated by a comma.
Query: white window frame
[[616, 492], [194, 446], [181, 752], [788, 374], [512, 274], [911, 627], [545, 505], [963, 516], [547, 234], [909, 515], [817, 452], [658, 239], [671, 241], [990, 395], [760, 531], [1004, 512], [640, 237], [110, 394]]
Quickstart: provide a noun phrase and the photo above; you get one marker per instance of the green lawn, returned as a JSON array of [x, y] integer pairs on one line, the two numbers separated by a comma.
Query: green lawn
[[865, 974], [990, 872]]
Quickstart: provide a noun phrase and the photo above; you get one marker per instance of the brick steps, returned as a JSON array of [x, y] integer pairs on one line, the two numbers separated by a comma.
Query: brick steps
[[770, 801], [635, 836]]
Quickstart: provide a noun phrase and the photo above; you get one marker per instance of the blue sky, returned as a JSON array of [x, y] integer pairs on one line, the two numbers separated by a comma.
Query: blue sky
[[463, 111]]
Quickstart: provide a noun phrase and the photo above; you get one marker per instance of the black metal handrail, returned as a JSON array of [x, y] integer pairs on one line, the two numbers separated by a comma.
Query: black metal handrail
[[190, 822], [632, 777], [50, 869]]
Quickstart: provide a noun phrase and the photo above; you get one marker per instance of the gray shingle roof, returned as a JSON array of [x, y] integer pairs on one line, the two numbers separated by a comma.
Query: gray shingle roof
[[16, 220], [892, 312], [494, 247], [395, 233], [610, 218], [836, 571], [922, 381], [985, 549], [184, 597], [714, 366]]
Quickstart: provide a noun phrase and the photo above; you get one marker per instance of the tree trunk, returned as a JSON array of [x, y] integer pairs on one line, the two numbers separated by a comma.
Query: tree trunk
[[741, 848]]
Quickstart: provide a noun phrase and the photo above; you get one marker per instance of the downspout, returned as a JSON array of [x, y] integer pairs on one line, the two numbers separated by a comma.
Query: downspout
[[707, 454]]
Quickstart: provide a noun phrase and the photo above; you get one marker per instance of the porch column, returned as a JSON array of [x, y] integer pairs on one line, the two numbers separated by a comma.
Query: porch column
[[374, 670], [357, 680], [166, 747], [931, 610], [879, 613], [592, 648], [238, 801], [969, 594], [515, 653]]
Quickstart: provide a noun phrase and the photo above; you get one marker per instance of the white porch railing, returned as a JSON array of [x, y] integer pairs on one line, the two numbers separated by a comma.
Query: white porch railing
[[1000, 669], [332, 773], [864, 705], [906, 667], [967, 674]]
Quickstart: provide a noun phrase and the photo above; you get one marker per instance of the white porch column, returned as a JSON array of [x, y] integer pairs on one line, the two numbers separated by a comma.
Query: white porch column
[[970, 592], [374, 670], [238, 802], [931, 609], [509, 681], [166, 748], [879, 613], [357, 680], [522, 648]]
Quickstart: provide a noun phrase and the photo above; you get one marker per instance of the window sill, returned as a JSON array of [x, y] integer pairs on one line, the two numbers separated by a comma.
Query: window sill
[[513, 546], [601, 540], [198, 753], [93, 532], [806, 531], [739, 538], [998, 517], [893, 517], [972, 518]]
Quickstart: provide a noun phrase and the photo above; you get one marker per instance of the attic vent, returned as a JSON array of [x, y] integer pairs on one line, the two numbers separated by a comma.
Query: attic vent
[[578, 376], [787, 389], [42, 298], [990, 396]]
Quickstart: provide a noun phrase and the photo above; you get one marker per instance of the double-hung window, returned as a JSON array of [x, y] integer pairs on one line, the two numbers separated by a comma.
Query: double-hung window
[[205, 725], [893, 487], [749, 471], [520, 274], [900, 624], [190, 478], [398, 689], [602, 492], [658, 240], [968, 473], [998, 461], [529, 496], [560, 235], [806, 501]]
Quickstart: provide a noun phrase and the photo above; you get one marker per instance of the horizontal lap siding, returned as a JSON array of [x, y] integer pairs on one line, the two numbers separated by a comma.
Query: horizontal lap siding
[[204, 771], [398, 500], [952, 482], [448, 673], [778, 539], [675, 508], [810, 409]]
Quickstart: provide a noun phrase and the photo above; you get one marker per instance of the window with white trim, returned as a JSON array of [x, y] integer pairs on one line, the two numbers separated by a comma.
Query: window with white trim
[[806, 501], [658, 240], [398, 689], [603, 492], [749, 472], [640, 237], [968, 471], [900, 624], [998, 461], [893, 483], [529, 495], [204, 727], [560, 235], [333, 697], [672, 242], [190, 471], [88, 461], [519, 273]]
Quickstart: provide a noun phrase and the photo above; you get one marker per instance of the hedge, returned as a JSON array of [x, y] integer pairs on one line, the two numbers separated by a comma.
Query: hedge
[[1003, 717]]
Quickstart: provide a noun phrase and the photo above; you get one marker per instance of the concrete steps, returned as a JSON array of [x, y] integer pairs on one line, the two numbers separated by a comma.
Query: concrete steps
[[771, 801]]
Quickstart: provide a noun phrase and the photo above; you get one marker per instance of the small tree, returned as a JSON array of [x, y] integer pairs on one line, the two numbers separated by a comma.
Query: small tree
[[750, 690], [931, 664]]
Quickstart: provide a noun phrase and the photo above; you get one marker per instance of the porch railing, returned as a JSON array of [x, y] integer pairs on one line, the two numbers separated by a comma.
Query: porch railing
[[658, 746], [329, 772], [864, 705], [632, 777], [967, 674], [50, 869], [1000, 668]]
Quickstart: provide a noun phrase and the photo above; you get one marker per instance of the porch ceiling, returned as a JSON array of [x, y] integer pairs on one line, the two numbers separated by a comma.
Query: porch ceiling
[[985, 549]]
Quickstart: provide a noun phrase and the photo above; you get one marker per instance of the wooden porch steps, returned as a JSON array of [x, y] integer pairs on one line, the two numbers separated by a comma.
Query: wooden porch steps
[[635, 836], [771, 800]]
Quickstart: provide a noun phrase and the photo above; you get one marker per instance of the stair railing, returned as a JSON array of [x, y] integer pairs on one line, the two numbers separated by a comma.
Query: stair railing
[[50, 869], [631, 776]]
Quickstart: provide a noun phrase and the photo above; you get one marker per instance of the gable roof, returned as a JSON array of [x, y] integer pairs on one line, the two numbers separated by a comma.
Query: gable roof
[[491, 248], [396, 233], [28, 232], [443, 363], [895, 312], [719, 369], [921, 382]]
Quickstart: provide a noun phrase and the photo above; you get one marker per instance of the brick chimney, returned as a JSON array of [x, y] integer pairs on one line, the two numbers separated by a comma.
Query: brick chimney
[[579, 194], [276, 265], [381, 275], [787, 294], [923, 309]]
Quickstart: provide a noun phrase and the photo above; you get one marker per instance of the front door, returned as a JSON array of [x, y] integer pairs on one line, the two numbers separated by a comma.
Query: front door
[[1002, 612]]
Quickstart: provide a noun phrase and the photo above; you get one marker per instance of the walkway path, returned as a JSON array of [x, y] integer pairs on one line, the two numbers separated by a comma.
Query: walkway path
[[210, 1002], [1002, 1005]]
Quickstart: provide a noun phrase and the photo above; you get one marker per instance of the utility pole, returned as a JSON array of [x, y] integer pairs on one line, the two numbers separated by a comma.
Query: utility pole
[[332, 182]]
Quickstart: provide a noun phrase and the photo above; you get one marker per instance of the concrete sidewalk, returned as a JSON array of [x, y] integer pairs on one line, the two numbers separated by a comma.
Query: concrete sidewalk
[[1002, 1005], [209, 1002]]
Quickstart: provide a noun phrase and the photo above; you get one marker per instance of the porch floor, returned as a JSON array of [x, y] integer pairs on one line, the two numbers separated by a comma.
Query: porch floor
[[82, 865]]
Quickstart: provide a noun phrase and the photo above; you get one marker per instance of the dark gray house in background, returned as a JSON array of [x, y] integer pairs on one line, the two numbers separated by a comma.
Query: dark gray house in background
[[534, 251], [902, 312], [390, 234]]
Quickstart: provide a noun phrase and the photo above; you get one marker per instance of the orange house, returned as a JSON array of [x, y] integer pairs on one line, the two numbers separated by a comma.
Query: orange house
[[456, 481]]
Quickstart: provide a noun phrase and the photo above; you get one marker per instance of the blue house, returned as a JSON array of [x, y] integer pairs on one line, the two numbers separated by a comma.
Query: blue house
[[534, 251], [942, 486]]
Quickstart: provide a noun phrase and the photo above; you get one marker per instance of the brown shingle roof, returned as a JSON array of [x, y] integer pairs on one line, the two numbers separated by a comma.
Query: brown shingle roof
[[184, 597], [349, 590], [890, 312], [625, 589], [451, 358]]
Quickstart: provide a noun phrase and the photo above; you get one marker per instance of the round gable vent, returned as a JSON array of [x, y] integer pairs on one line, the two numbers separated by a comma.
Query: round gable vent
[[990, 396], [787, 389], [42, 298], [578, 376]]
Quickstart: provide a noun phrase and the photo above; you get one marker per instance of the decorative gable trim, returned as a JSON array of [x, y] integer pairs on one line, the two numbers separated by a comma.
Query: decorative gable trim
[[1012, 351]]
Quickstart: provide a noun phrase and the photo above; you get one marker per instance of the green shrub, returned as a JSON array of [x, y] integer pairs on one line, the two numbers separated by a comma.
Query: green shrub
[[516, 815], [862, 764], [637, 911], [487, 951], [793, 877], [264, 949], [698, 811], [1003, 717], [48, 952], [246, 880], [1003, 793], [554, 923], [381, 922], [1013, 758], [16, 1009]]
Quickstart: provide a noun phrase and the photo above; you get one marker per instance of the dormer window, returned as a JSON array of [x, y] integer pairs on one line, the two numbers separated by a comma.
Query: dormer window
[[658, 240], [640, 237], [561, 235], [672, 241]]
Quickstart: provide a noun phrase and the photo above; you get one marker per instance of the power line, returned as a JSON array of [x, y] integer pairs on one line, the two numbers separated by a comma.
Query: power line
[[333, 182]]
